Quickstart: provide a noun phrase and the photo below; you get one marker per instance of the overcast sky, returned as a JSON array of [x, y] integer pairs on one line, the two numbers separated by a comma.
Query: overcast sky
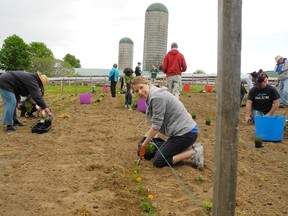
[[91, 29]]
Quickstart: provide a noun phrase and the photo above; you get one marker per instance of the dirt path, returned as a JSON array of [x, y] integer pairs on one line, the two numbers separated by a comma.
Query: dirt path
[[83, 166]]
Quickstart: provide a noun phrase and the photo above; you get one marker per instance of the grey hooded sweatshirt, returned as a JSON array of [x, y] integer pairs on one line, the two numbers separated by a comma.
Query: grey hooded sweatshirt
[[167, 114]]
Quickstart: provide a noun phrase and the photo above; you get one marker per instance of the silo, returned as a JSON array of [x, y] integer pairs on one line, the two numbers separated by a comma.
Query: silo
[[125, 56], [155, 35]]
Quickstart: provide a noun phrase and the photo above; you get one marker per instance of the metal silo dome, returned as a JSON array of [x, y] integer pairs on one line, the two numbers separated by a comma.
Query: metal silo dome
[[125, 55], [157, 7], [126, 40]]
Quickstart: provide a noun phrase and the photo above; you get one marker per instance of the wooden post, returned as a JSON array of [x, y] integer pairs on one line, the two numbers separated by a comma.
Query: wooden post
[[62, 86], [228, 106]]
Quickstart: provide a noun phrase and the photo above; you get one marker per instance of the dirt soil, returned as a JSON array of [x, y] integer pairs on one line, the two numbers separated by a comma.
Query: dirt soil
[[83, 165]]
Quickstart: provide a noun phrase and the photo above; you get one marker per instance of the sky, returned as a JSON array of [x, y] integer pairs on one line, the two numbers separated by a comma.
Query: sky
[[91, 29]]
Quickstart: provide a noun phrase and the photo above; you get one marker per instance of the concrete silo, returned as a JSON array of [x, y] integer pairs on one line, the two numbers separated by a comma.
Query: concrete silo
[[125, 55], [155, 35]]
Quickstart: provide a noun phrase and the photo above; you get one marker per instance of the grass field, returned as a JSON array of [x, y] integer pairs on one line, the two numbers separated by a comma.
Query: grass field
[[73, 89]]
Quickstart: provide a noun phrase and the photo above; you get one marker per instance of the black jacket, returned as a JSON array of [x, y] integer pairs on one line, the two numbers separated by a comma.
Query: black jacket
[[24, 84]]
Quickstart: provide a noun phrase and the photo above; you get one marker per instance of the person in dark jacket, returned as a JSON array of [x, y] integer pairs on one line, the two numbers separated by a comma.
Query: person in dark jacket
[[173, 66], [138, 70], [14, 84]]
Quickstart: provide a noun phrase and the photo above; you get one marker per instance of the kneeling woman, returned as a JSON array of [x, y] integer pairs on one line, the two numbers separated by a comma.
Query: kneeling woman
[[167, 115]]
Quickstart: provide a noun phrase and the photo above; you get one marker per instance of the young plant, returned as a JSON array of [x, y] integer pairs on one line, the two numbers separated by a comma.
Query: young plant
[[193, 115], [207, 205], [147, 204], [151, 148], [258, 139], [208, 120]]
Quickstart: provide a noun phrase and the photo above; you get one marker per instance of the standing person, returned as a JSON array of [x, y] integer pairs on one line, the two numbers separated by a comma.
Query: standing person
[[16, 83], [263, 99], [173, 66], [249, 79], [128, 76], [281, 68], [138, 70], [153, 73], [177, 125], [113, 78]]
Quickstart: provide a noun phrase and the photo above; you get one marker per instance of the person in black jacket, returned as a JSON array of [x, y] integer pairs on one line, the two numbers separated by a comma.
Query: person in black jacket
[[14, 84], [138, 71]]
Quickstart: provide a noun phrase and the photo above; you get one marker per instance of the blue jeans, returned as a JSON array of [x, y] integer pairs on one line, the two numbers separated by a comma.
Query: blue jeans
[[283, 91], [9, 101]]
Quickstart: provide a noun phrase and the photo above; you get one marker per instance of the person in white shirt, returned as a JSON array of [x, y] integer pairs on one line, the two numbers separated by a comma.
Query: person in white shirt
[[249, 78]]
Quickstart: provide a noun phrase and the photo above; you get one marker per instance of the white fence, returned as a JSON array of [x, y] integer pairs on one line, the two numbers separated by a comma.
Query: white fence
[[192, 79]]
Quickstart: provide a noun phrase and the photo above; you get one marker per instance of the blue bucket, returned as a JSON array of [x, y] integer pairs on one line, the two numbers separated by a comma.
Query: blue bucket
[[270, 128]]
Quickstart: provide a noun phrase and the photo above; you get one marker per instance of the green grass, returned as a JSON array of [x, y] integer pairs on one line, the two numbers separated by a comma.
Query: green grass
[[198, 89], [76, 89], [70, 89]]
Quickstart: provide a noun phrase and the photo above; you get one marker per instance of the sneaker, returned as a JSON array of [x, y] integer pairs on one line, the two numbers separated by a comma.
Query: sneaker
[[10, 128], [17, 123], [126, 106], [198, 157]]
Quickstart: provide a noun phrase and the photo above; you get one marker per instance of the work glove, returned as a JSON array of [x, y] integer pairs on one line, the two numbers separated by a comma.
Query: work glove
[[142, 151]]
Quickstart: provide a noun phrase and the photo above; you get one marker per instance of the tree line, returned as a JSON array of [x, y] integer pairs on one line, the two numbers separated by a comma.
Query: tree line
[[15, 54]]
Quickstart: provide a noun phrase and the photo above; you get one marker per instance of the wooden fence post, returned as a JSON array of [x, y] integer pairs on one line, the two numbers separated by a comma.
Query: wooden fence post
[[62, 86], [228, 106]]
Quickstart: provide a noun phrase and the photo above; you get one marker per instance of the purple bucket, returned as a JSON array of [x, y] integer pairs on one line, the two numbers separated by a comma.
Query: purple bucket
[[85, 98], [141, 105]]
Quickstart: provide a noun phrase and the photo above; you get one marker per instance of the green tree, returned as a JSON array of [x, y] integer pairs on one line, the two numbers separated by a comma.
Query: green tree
[[46, 65], [14, 54], [63, 69], [72, 60], [199, 72], [39, 50]]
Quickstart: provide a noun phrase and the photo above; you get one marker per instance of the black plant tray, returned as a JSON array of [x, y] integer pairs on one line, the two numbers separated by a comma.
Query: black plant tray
[[42, 126], [149, 155]]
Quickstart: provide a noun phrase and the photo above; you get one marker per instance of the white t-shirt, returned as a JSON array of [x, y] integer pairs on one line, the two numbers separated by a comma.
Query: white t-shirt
[[247, 79]]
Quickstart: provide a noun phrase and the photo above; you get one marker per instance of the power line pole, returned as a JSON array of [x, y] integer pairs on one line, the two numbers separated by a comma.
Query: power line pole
[[228, 106]]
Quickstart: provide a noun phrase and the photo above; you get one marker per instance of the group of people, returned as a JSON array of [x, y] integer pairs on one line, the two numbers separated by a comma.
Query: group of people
[[178, 126], [264, 99]]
